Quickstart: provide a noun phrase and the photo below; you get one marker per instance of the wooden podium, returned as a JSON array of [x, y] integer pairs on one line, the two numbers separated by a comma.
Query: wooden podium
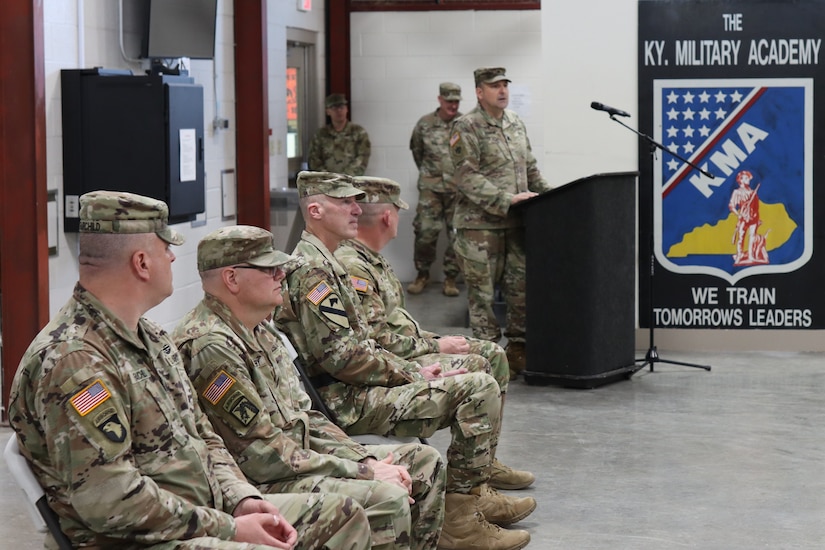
[[581, 292]]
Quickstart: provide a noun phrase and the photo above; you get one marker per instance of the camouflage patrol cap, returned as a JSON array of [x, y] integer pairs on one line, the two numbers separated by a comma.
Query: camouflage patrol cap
[[119, 212], [335, 99], [489, 75], [380, 190], [239, 244], [449, 91], [326, 183]]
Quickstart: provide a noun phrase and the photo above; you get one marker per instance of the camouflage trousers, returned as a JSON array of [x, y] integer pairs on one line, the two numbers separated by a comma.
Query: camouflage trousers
[[434, 211], [394, 523], [323, 522], [491, 257], [469, 404], [484, 356]]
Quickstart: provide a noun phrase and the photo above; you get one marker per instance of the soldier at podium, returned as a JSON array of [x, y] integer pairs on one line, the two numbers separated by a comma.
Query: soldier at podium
[[494, 169]]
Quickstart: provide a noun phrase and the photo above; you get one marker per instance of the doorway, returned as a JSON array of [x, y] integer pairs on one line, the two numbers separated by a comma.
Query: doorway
[[301, 121], [300, 99]]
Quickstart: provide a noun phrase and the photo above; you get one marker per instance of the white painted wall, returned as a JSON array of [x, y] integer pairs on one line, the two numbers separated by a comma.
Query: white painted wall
[[589, 54], [398, 60], [84, 33]]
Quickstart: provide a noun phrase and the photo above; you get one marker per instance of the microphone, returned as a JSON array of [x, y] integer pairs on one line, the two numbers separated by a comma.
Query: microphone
[[607, 109]]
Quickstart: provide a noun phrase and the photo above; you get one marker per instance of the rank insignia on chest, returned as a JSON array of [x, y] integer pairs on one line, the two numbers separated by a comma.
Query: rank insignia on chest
[[361, 285], [90, 397], [218, 387]]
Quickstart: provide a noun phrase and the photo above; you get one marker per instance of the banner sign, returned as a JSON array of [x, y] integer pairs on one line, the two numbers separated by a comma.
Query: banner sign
[[731, 87]]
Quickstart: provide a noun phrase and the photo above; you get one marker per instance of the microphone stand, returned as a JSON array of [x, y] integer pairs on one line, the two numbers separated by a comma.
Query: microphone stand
[[652, 355]]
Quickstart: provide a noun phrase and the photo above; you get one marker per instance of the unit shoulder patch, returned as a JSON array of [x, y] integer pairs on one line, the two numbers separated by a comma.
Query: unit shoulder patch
[[332, 309], [241, 407], [109, 423]]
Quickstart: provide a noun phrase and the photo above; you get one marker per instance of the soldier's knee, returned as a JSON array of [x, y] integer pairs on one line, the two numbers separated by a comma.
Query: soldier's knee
[[343, 507], [388, 496], [483, 384], [476, 363]]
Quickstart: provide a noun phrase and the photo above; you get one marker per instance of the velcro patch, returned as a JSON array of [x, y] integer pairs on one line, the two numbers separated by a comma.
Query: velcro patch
[[241, 407], [318, 293], [110, 424], [332, 310], [361, 285], [218, 387], [90, 397]]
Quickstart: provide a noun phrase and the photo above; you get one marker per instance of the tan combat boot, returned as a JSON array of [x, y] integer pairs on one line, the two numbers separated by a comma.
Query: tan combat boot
[[517, 357], [417, 286], [449, 287], [501, 509], [504, 477], [466, 529]]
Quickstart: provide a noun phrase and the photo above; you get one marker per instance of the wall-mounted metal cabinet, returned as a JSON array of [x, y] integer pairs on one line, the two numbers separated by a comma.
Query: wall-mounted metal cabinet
[[137, 133]]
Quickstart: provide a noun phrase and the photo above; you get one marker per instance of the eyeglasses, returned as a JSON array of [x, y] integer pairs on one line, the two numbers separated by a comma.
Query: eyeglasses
[[271, 271]]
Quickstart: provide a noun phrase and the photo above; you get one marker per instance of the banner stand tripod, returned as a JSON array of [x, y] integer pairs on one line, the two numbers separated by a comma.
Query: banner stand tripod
[[652, 355]]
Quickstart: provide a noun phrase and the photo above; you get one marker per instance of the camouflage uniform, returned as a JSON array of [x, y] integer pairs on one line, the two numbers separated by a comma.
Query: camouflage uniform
[[283, 446], [107, 419], [493, 161], [347, 151], [373, 391], [430, 148], [144, 466], [382, 301]]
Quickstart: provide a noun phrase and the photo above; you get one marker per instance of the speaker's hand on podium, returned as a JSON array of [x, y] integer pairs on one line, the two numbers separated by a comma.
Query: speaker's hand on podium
[[523, 196]]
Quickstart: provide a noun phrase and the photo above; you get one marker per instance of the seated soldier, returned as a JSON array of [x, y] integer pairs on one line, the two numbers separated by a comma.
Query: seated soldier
[[105, 415], [250, 391], [371, 390], [392, 326]]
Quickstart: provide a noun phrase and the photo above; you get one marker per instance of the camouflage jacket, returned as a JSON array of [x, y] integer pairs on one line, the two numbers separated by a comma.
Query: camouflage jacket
[[261, 411], [382, 301], [430, 146], [107, 417], [493, 161], [323, 320], [344, 152]]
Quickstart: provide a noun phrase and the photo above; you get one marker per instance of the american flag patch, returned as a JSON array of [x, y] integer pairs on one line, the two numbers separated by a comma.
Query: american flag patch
[[92, 396], [361, 285], [218, 388], [454, 138], [318, 293]]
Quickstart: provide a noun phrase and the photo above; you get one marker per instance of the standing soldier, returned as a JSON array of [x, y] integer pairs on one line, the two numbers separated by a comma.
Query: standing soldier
[[494, 169], [430, 146], [341, 146]]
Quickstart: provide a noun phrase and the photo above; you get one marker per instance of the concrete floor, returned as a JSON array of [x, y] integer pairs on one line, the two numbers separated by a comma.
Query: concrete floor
[[671, 459]]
